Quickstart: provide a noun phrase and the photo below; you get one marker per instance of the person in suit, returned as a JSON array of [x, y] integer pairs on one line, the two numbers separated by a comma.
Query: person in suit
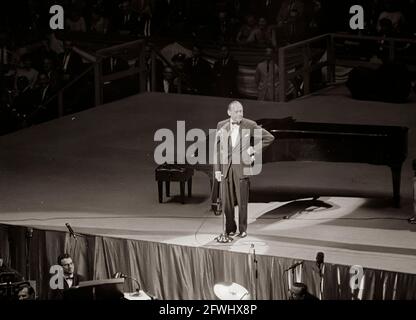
[[199, 72], [70, 62], [265, 8], [225, 74], [23, 104], [235, 155], [299, 291], [71, 278], [169, 83], [267, 78], [45, 110], [128, 21]]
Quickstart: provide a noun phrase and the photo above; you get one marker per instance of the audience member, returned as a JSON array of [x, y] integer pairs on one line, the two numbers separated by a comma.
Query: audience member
[[26, 70], [127, 20], [199, 72], [75, 22], [246, 29], [70, 61], [391, 19], [225, 75], [267, 77], [99, 24], [262, 35], [26, 293], [291, 20]]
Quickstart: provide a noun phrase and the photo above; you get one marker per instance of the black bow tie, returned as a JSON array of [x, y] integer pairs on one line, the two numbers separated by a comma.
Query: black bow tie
[[235, 123], [69, 277]]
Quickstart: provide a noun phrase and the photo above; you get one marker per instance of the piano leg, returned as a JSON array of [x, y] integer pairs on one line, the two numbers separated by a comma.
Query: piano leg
[[396, 171]]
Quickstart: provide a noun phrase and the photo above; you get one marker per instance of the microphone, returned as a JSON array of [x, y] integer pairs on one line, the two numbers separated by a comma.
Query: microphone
[[119, 275], [320, 260], [254, 258], [29, 233], [71, 231], [293, 266]]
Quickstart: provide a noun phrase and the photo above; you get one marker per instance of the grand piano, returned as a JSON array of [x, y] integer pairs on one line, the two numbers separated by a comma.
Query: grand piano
[[307, 141]]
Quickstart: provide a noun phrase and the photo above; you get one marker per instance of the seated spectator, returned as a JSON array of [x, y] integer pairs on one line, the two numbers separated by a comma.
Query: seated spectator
[[265, 8], [394, 15], [199, 72], [99, 24], [267, 77], [291, 21], [26, 70], [224, 29], [26, 293], [262, 35], [225, 75], [246, 29], [75, 22], [127, 20], [169, 83]]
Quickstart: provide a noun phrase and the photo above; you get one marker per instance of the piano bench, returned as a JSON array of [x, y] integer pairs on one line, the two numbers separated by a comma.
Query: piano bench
[[173, 172]]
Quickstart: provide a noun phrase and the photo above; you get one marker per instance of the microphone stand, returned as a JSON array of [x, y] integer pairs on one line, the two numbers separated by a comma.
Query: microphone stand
[[29, 235], [223, 237], [134, 279], [256, 272]]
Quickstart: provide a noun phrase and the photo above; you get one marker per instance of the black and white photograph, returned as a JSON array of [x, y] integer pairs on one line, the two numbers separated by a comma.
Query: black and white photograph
[[231, 151]]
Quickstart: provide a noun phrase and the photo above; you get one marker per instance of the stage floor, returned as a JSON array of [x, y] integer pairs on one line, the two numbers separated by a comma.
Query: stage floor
[[95, 170]]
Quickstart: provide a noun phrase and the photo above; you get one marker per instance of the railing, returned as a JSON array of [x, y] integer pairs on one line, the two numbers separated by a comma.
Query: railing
[[130, 51], [300, 59]]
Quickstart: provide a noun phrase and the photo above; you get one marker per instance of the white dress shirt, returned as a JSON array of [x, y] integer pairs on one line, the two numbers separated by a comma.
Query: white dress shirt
[[234, 132]]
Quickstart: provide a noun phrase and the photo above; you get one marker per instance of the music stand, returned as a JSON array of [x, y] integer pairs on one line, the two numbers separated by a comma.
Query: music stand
[[107, 289]]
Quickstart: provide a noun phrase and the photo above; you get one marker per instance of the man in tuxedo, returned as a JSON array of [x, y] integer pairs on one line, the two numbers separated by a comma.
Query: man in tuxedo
[[71, 279], [235, 153], [225, 74]]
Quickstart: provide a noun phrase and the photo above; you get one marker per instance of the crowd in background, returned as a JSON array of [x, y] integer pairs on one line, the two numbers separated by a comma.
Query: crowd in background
[[35, 63]]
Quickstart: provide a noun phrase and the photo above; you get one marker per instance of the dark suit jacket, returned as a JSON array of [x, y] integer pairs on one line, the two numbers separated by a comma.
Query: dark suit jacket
[[223, 130], [225, 78], [246, 139], [74, 66], [199, 75], [58, 294]]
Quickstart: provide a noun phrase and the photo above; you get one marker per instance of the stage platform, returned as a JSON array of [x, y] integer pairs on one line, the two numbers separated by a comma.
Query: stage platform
[[95, 170]]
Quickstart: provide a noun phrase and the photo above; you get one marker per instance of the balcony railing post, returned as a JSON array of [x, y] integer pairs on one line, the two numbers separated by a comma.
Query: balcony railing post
[[98, 82], [60, 103], [330, 58], [282, 75]]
